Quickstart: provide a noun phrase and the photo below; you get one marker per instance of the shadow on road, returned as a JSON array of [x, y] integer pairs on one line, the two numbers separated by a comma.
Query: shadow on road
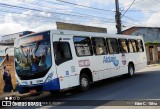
[[75, 97]]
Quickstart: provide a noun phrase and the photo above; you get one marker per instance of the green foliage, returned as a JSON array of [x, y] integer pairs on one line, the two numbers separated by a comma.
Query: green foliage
[[152, 43]]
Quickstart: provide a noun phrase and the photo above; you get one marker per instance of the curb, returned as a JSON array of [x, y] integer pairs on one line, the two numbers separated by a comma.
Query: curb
[[153, 65]]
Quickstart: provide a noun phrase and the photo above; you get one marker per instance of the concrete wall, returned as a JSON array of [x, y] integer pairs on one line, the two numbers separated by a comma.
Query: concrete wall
[[68, 26], [154, 53], [147, 53], [10, 66]]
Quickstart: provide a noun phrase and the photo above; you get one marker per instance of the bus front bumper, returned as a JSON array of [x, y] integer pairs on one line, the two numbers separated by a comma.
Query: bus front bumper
[[47, 86]]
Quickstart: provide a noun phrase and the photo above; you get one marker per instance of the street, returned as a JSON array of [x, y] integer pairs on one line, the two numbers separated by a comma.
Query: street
[[144, 85]]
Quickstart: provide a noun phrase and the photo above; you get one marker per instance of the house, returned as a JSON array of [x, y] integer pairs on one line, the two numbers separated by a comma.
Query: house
[[151, 37], [9, 39]]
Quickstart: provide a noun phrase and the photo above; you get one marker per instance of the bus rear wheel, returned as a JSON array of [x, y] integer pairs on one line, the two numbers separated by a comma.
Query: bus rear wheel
[[84, 82], [131, 70]]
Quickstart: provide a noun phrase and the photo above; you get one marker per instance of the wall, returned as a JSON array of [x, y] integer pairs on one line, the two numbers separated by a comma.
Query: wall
[[10, 66], [68, 26]]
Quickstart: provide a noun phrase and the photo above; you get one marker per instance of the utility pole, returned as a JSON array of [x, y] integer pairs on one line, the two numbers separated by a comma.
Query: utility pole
[[118, 18]]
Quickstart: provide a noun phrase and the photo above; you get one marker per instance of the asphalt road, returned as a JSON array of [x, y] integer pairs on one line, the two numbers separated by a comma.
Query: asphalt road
[[114, 91]]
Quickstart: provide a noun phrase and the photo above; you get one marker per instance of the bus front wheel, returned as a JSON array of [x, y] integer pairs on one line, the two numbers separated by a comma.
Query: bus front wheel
[[84, 82], [54, 92]]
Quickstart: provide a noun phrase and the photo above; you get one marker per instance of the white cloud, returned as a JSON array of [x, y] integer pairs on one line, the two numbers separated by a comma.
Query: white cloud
[[27, 13], [154, 20], [90, 2], [8, 17], [44, 27], [9, 28], [29, 20], [45, 14]]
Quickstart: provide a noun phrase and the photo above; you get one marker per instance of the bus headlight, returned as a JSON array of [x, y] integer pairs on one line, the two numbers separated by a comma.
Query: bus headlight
[[49, 78]]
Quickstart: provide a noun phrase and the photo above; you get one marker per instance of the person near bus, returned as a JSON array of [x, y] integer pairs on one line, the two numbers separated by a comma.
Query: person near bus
[[7, 80]]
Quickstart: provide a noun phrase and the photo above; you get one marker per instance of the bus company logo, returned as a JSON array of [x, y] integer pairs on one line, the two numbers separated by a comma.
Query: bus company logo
[[14, 101], [84, 63], [8, 101], [111, 59], [124, 59]]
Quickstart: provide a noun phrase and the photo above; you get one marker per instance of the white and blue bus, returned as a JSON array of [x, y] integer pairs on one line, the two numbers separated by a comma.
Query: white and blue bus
[[56, 60]]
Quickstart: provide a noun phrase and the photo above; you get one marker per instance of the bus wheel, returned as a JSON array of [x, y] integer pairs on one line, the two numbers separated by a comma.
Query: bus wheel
[[35, 94], [130, 70], [84, 82], [54, 93]]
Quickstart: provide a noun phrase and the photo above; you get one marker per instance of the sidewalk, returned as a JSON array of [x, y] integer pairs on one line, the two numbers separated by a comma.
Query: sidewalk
[[152, 65]]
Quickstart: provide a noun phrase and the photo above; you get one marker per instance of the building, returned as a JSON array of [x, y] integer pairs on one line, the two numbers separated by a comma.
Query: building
[[9, 39], [151, 37]]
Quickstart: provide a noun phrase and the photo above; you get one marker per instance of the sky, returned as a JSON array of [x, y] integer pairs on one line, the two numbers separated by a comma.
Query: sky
[[41, 15]]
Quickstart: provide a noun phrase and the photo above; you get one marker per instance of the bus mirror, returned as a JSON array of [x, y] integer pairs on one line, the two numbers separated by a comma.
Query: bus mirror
[[7, 57], [60, 39]]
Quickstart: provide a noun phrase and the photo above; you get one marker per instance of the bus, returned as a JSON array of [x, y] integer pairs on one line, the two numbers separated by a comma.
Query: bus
[[57, 60]]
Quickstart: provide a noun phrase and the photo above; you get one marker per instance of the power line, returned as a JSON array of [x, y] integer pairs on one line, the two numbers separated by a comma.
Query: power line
[[133, 3], [83, 6], [80, 14], [47, 17], [133, 20], [128, 8], [146, 11], [35, 9]]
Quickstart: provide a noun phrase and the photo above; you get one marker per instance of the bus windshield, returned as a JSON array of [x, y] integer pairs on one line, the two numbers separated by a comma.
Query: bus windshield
[[33, 56]]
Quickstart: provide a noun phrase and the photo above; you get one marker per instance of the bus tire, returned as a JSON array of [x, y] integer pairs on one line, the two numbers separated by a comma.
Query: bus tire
[[131, 70], [54, 92], [84, 82], [35, 94]]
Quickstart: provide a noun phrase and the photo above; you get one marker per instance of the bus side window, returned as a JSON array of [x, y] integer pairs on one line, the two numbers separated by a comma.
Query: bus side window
[[99, 46], [62, 52], [133, 42], [123, 45], [113, 46], [131, 49], [82, 46], [140, 46]]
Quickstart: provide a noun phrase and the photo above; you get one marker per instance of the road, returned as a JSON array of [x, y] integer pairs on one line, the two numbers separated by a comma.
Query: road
[[144, 85]]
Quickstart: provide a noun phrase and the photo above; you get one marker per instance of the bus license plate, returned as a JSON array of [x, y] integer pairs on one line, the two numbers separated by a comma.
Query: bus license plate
[[32, 91]]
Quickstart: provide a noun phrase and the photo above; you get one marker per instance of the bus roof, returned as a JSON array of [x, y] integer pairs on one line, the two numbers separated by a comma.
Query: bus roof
[[81, 33], [84, 33]]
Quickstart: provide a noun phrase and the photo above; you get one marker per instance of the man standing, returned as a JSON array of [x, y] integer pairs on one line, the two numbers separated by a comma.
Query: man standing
[[7, 80]]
